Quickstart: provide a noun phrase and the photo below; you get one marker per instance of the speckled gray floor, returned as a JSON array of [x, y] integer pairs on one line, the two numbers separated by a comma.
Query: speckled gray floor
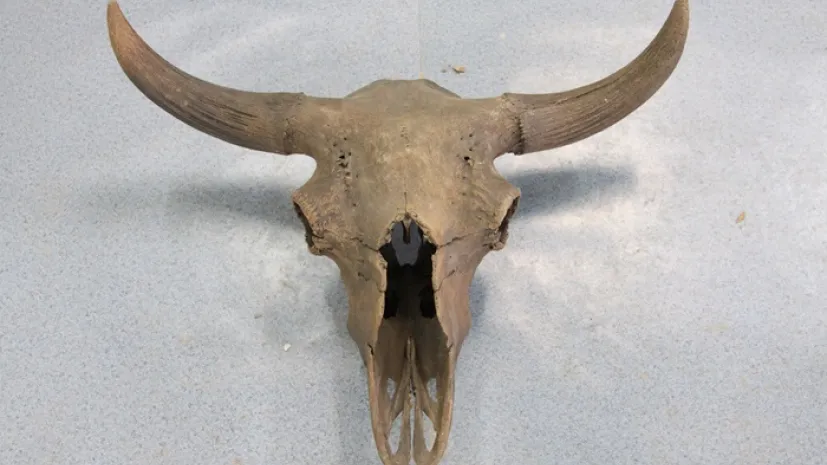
[[151, 276]]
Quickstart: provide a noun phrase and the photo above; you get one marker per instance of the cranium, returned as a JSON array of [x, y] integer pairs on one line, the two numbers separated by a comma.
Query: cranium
[[403, 158]]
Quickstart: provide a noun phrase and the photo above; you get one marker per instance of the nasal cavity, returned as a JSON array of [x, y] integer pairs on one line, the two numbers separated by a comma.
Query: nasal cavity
[[405, 242], [409, 257]]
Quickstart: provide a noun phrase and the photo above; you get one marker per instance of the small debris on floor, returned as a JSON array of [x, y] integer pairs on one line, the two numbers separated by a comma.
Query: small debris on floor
[[741, 218], [458, 69], [258, 315], [287, 347]]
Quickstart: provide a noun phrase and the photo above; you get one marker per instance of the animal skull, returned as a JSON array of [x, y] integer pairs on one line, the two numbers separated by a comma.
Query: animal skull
[[409, 158]]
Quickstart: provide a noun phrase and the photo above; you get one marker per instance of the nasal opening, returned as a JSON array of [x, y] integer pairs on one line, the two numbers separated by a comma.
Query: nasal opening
[[409, 256], [411, 356]]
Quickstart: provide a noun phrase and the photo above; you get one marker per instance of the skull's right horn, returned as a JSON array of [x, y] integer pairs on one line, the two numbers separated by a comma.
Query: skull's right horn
[[268, 122]]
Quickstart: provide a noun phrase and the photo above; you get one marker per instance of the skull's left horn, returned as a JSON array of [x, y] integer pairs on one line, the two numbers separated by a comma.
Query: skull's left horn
[[269, 122], [546, 121]]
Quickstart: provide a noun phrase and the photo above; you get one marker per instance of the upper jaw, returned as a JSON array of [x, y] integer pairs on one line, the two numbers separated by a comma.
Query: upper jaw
[[410, 333], [411, 380], [411, 365]]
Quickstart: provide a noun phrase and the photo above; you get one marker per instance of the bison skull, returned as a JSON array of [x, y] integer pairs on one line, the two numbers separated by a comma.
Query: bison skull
[[403, 158]]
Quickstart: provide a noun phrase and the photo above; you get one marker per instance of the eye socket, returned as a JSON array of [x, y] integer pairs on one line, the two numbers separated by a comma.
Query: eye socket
[[503, 228], [308, 231]]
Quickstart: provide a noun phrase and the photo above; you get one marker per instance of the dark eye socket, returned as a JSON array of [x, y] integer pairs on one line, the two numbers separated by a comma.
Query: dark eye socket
[[308, 230], [503, 229]]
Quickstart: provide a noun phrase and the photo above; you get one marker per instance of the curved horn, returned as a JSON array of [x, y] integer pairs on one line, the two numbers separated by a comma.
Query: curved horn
[[553, 120], [258, 121]]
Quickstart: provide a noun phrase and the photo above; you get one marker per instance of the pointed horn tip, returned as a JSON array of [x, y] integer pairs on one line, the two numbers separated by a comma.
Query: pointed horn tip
[[677, 23], [122, 37], [115, 18], [680, 8], [112, 8]]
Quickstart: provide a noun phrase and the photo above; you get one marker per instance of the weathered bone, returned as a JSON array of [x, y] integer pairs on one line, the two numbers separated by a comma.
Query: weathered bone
[[414, 155]]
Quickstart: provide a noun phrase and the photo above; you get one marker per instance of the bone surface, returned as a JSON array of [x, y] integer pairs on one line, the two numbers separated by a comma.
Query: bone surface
[[411, 154], [655, 295]]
